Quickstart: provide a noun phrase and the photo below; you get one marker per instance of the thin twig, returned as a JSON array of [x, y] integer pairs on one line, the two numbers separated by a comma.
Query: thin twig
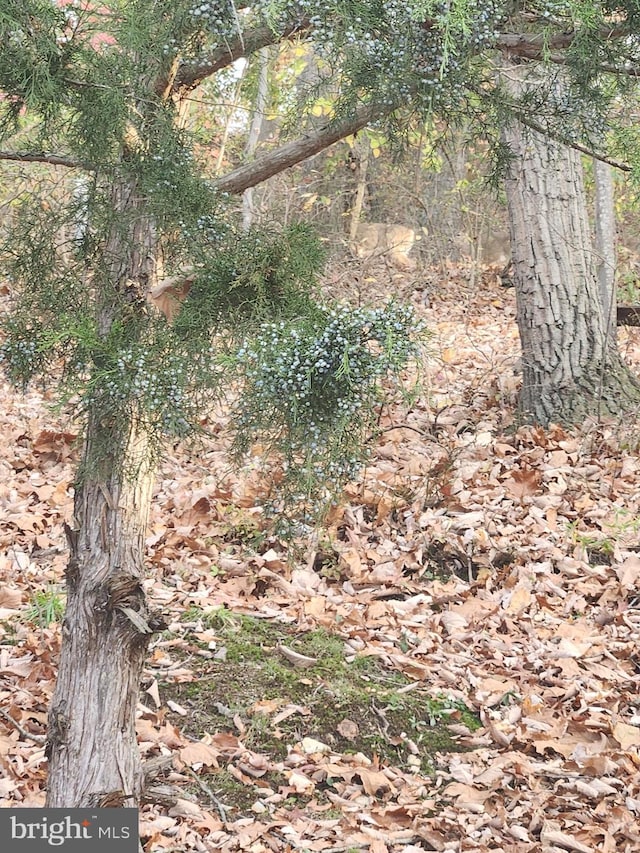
[[405, 426], [36, 738], [222, 809]]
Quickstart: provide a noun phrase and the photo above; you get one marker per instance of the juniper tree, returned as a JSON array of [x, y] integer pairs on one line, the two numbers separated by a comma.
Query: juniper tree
[[103, 90]]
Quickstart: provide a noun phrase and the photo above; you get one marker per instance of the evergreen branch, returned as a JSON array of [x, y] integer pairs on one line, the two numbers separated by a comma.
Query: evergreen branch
[[189, 76], [42, 157], [563, 140], [300, 149], [562, 59], [541, 44]]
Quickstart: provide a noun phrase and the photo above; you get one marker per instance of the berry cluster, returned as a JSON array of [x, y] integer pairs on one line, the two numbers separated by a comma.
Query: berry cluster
[[20, 359], [156, 384], [311, 390]]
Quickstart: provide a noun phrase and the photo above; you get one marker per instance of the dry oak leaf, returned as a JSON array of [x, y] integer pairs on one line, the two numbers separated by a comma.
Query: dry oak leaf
[[350, 558], [289, 711], [185, 808], [300, 783], [199, 754], [10, 598], [374, 782], [523, 483], [348, 729], [302, 661], [467, 797], [311, 746], [519, 600], [629, 572]]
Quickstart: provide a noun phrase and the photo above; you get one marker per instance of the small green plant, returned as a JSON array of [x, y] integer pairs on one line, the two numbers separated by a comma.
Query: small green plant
[[442, 708], [629, 288], [623, 527], [46, 607]]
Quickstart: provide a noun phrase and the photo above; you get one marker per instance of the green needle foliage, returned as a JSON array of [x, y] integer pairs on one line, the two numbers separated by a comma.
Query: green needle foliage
[[308, 376], [312, 390]]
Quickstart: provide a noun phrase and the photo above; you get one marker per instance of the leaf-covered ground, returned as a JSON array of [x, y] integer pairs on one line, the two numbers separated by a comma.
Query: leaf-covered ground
[[480, 583]]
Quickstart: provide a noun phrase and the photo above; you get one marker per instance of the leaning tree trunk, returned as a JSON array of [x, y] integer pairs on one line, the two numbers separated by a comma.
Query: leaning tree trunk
[[255, 129], [93, 753], [571, 367]]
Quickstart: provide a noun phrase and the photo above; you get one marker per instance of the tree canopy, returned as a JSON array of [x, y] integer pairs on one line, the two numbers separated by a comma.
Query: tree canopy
[[86, 78]]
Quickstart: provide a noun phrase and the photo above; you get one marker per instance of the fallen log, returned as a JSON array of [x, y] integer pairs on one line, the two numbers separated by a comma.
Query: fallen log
[[628, 315]]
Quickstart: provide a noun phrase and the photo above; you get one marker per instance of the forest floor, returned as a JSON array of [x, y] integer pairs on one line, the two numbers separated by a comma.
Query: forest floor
[[452, 664]]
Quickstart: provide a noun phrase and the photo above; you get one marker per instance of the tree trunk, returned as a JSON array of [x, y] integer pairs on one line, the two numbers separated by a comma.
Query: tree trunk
[[571, 364], [93, 753], [362, 148], [255, 129], [606, 242], [92, 749]]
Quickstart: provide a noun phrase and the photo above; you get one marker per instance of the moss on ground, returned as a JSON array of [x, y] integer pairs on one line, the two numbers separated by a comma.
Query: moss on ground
[[352, 707]]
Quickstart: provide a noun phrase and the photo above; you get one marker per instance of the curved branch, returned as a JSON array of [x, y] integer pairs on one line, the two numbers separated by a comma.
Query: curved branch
[[558, 137]]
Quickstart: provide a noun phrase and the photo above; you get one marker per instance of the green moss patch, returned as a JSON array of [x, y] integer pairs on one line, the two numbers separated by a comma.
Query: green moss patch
[[273, 686]]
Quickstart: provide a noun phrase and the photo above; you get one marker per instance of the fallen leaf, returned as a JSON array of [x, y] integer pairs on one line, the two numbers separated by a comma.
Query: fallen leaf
[[626, 735], [348, 729], [562, 839], [302, 661], [374, 782], [199, 754]]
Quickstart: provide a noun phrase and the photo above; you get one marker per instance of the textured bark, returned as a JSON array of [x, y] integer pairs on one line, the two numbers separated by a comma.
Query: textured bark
[[255, 129], [92, 748], [361, 149], [605, 240], [191, 75], [93, 753], [571, 364]]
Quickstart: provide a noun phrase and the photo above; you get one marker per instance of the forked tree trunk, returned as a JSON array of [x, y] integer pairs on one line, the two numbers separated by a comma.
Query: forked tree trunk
[[92, 749], [571, 367]]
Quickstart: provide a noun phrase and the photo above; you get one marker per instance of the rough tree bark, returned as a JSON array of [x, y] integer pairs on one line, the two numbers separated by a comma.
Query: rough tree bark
[[571, 364], [605, 241], [93, 754], [92, 749]]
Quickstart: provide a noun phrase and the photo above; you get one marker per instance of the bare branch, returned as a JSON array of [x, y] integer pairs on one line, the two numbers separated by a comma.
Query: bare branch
[[42, 157], [557, 58], [541, 43], [300, 149], [35, 738], [558, 137], [190, 76]]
